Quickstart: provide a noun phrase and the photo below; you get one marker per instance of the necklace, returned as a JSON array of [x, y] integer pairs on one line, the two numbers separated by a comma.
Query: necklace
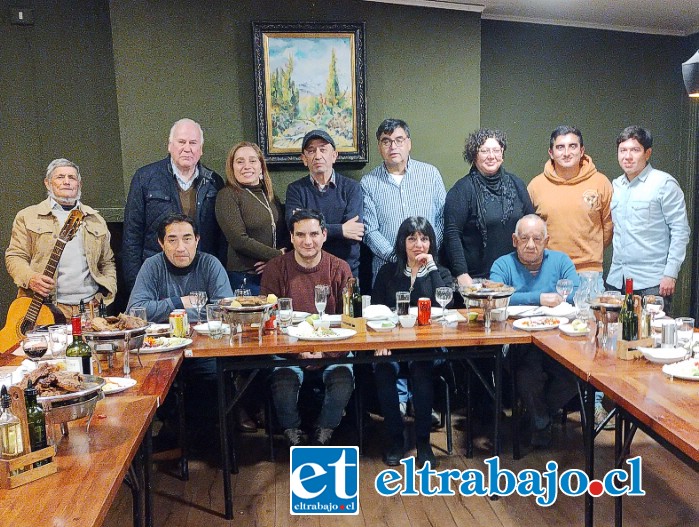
[[267, 206]]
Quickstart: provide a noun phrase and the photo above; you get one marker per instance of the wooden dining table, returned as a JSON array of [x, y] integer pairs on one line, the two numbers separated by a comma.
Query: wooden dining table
[[247, 350]]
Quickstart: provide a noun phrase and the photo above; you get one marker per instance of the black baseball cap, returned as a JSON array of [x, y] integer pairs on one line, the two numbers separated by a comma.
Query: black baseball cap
[[317, 134]]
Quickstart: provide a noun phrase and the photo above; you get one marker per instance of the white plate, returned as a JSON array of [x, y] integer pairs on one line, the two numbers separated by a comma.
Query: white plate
[[340, 334], [335, 320], [203, 329], [517, 311], [539, 323], [436, 312], [299, 316], [170, 343], [379, 325], [663, 355], [117, 384], [570, 331], [687, 369], [158, 329]]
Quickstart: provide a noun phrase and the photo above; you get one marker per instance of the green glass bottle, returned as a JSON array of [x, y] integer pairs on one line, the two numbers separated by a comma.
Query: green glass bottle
[[36, 422], [78, 353], [628, 319], [356, 300]]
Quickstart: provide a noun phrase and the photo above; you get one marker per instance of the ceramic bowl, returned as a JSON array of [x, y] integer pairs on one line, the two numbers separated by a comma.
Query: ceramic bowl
[[407, 321]]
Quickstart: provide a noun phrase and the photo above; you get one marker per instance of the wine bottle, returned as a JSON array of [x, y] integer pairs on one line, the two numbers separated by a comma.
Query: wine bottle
[[36, 422], [356, 300], [627, 316], [78, 353]]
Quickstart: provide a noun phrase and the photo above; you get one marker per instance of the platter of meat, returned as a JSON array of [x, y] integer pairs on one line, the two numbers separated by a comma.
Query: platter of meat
[[116, 326], [55, 384]]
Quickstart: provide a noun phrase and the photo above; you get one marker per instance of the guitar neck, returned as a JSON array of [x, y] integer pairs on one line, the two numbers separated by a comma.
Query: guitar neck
[[50, 271]]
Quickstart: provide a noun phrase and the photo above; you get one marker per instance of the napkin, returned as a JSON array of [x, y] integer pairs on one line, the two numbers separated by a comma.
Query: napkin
[[376, 311]]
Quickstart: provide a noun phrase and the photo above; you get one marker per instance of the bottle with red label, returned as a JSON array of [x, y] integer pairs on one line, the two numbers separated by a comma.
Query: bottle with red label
[[78, 353]]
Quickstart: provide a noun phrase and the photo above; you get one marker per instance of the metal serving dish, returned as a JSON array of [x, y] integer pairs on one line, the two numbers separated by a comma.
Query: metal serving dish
[[244, 315], [114, 341], [486, 298], [60, 409]]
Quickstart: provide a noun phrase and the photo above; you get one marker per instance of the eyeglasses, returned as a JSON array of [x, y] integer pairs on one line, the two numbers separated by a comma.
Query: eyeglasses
[[538, 240], [496, 152], [386, 142]]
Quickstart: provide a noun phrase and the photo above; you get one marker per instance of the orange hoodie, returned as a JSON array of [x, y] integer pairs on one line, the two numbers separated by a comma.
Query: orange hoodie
[[577, 212]]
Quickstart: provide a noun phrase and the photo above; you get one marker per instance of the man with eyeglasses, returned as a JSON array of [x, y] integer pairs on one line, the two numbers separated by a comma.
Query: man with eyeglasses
[[337, 197], [533, 270], [85, 270], [574, 199], [397, 189], [651, 230]]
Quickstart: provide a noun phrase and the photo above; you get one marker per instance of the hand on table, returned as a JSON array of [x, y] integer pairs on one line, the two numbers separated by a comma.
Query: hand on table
[[550, 299]]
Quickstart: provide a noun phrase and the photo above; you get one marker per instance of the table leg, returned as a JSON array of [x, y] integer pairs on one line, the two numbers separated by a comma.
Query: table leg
[[499, 356], [589, 446], [618, 456], [223, 434], [148, 476]]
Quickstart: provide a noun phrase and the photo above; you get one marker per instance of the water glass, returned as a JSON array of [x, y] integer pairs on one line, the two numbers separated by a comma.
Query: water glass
[[214, 319], [198, 300], [321, 298], [444, 295], [285, 312], [139, 312], [564, 287], [58, 337], [612, 334], [402, 303], [685, 330]]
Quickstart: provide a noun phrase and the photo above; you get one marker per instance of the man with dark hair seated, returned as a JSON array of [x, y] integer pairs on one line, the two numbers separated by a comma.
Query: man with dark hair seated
[[295, 275]]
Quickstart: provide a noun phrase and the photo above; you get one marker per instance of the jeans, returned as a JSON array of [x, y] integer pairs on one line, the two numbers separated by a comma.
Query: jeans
[[544, 385], [286, 384], [386, 374]]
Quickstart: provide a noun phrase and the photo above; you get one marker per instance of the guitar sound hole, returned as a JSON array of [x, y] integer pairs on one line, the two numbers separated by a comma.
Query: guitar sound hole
[[26, 327]]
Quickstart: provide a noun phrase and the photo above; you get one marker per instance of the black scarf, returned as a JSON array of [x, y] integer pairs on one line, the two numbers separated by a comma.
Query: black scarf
[[498, 187]]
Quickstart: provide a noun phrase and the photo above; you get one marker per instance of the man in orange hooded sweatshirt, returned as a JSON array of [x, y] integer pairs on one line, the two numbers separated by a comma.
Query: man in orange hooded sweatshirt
[[574, 199]]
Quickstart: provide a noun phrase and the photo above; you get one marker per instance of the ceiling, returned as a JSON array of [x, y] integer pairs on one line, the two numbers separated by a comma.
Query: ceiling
[[663, 17]]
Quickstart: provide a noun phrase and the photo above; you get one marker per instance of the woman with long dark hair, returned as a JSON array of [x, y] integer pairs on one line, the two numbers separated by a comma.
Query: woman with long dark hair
[[415, 270]]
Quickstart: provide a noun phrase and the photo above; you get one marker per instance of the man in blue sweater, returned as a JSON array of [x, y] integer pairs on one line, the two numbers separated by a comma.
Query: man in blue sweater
[[337, 197], [544, 385]]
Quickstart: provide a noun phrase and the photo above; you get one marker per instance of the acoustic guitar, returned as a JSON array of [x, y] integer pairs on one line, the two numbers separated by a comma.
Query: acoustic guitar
[[26, 312]]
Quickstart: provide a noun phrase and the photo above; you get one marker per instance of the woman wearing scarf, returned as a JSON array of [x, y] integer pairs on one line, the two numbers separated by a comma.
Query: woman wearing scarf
[[482, 208]]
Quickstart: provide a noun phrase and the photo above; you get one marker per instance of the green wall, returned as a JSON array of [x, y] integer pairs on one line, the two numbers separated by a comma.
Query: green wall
[[57, 99], [101, 82], [416, 59]]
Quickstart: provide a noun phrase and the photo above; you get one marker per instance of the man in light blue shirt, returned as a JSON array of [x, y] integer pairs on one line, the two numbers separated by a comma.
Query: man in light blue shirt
[[398, 188], [651, 230]]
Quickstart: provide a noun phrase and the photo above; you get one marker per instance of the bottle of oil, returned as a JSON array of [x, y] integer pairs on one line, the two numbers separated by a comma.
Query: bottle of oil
[[11, 444]]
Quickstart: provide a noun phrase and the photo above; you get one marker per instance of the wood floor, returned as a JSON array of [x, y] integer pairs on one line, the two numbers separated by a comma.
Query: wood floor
[[261, 489]]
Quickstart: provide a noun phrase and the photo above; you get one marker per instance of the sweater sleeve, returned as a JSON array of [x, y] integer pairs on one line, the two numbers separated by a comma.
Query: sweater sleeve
[[378, 244], [502, 271], [145, 293], [293, 199], [456, 214]]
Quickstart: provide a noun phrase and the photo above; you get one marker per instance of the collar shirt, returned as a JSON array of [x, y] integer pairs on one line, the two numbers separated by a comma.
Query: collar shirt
[[387, 203], [651, 230], [322, 188], [184, 185]]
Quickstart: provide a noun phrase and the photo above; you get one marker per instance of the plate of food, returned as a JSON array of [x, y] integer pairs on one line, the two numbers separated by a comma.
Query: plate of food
[[117, 384], [381, 325], [687, 369], [663, 355], [576, 328], [248, 303], [486, 289], [539, 323], [160, 344], [158, 329], [299, 316], [307, 332]]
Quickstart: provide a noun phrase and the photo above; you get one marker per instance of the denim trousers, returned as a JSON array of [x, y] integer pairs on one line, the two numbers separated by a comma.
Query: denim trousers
[[420, 375], [286, 384]]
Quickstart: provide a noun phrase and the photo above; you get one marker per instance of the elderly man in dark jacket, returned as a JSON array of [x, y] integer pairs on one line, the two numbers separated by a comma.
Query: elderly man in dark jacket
[[177, 184]]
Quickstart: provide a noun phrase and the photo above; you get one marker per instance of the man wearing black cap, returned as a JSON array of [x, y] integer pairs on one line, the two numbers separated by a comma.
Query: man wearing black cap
[[339, 198]]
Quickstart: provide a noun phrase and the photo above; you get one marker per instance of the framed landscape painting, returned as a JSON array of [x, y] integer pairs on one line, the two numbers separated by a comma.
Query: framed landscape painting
[[310, 76]]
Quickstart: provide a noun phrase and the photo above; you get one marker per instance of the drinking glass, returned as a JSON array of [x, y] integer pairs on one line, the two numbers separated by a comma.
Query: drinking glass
[[685, 330], [58, 340], [654, 305], [198, 300], [285, 312], [444, 295], [321, 298], [214, 319], [564, 287], [582, 304], [35, 345], [402, 303], [139, 312]]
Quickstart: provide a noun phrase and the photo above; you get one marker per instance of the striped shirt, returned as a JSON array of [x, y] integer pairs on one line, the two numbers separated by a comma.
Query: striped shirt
[[387, 203]]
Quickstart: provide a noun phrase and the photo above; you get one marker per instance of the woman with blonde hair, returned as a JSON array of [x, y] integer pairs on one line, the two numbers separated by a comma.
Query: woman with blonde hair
[[250, 216]]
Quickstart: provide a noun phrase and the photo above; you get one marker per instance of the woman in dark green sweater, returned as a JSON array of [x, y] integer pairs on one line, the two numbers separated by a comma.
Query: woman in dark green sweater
[[250, 216]]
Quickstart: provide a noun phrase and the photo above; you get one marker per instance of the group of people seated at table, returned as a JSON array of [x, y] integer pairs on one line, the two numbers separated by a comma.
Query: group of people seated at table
[[187, 229]]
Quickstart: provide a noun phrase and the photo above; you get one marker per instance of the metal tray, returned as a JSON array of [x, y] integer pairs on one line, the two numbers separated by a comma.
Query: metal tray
[[116, 333], [243, 309], [91, 385]]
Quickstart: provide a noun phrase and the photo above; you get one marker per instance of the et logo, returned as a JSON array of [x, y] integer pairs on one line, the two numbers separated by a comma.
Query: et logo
[[324, 480]]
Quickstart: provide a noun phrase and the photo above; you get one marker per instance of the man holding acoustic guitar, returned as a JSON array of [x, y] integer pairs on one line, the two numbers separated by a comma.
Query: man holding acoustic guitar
[[59, 254]]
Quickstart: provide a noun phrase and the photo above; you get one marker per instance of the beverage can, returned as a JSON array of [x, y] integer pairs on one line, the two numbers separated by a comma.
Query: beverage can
[[424, 311], [178, 323]]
